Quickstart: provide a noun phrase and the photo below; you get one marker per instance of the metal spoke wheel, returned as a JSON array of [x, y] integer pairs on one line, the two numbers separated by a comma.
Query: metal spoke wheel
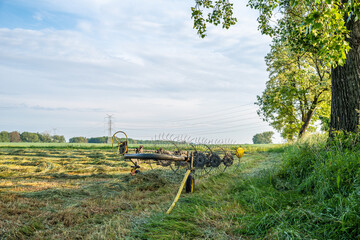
[[121, 145]]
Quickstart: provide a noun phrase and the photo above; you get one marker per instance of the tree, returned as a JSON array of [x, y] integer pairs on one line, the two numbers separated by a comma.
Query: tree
[[4, 136], [98, 140], [29, 137], [263, 138], [329, 29], [45, 137], [58, 139], [298, 92], [14, 136], [78, 140]]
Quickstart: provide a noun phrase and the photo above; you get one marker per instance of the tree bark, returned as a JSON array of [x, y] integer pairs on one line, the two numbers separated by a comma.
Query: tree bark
[[308, 117], [306, 123], [345, 96]]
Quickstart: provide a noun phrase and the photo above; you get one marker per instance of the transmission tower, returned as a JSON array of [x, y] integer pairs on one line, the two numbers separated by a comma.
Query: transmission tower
[[109, 117]]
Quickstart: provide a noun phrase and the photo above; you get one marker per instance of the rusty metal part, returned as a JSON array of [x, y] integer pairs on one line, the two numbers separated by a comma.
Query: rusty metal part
[[215, 160], [228, 160], [200, 159], [140, 149]]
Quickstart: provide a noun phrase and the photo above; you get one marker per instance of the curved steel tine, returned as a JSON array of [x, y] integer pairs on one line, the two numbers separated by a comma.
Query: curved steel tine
[[180, 138]]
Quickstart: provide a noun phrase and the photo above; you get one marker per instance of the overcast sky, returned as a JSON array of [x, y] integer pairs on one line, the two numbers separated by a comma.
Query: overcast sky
[[65, 65]]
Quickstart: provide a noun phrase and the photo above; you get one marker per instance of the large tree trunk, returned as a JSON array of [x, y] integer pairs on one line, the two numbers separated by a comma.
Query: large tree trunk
[[345, 96]]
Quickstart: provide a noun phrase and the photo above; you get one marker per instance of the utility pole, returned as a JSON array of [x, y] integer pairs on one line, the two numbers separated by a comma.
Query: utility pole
[[109, 127]]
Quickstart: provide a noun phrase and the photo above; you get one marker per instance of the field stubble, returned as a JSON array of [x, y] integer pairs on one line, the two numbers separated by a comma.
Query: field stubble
[[69, 193]]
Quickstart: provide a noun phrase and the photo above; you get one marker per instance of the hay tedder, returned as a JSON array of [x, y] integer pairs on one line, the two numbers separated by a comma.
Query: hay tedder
[[194, 158]]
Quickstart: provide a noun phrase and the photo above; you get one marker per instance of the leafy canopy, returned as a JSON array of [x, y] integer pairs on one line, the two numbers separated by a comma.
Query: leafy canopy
[[320, 28], [221, 13], [297, 93]]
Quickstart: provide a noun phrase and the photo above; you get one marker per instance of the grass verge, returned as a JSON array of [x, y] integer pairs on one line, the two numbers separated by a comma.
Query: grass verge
[[312, 193]]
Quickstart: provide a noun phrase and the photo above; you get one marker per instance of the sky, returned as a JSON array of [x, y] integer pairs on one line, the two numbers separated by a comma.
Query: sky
[[67, 65]]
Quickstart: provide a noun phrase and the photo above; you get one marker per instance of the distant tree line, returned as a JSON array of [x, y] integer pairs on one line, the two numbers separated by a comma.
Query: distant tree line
[[45, 137], [88, 140], [30, 137]]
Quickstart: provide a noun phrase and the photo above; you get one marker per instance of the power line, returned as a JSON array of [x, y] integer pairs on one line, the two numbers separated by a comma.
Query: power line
[[198, 125], [229, 118], [207, 115], [213, 114], [231, 130]]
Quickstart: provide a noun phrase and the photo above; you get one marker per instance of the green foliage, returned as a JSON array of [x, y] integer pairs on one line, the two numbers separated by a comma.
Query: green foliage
[[58, 139], [4, 136], [297, 93], [14, 136], [263, 138], [45, 137], [220, 12], [310, 26], [328, 170], [97, 140], [316, 164], [78, 140], [29, 137]]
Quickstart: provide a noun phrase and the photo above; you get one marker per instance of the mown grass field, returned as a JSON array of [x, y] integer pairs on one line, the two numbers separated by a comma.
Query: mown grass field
[[71, 193], [278, 192], [59, 192]]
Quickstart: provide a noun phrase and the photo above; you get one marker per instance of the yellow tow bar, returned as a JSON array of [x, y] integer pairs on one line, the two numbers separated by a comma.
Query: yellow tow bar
[[179, 192]]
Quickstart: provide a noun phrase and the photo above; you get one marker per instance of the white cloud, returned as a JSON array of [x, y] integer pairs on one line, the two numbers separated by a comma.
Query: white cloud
[[84, 26], [38, 16]]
